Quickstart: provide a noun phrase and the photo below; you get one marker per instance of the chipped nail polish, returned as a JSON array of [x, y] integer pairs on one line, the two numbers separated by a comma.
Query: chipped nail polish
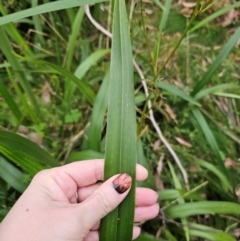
[[122, 183]]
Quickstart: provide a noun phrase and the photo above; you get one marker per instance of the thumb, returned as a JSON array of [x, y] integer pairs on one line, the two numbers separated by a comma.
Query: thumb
[[105, 199]]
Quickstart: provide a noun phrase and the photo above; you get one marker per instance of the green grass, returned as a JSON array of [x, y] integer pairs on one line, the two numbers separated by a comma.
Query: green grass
[[54, 84]]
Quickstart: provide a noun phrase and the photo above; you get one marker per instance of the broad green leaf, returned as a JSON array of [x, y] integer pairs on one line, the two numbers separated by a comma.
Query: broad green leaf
[[85, 155], [83, 87], [177, 92], [96, 121], [46, 8], [23, 152], [217, 62], [209, 233], [13, 176], [121, 139], [203, 207]]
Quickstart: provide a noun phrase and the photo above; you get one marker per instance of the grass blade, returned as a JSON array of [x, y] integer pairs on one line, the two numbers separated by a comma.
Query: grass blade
[[217, 62], [10, 101], [121, 142], [148, 237], [7, 50], [228, 95], [12, 175], [73, 37], [214, 16], [177, 92], [85, 155], [30, 157], [212, 168], [209, 233], [83, 87], [82, 70], [214, 89], [181, 200], [96, 122], [12, 31], [203, 207], [210, 139], [46, 8]]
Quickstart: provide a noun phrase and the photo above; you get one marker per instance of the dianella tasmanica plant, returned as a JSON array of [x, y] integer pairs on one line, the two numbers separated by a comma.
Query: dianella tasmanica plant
[[121, 142]]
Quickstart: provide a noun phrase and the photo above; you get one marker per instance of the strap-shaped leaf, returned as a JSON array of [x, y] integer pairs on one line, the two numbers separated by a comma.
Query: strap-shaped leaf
[[121, 143], [12, 175], [23, 152], [45, 8]]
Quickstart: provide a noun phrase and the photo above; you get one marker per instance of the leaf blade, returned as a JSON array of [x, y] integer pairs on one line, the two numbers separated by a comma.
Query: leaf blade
[[121, 141]]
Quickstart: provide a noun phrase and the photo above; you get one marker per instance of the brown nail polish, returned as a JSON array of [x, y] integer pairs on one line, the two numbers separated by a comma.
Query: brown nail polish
[[122, 182]]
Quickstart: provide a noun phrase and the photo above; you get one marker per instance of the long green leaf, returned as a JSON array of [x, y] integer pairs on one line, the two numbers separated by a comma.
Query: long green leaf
[[121, 142], [85, 155], [73, 37], [10, 101], [204, 207], [23, 152], [209, 233], [171, 194], [46, 8], [213, 89], [96, 122], [83, 87], [162, 25], [212, 168], [217, 62], [214, 16], [141, 159], [12, 31], [180, 200], [148, 237], [7, 50], [81, 70], [210, 139], [12, 175], [37, 25], [177, 92], [227, 95]]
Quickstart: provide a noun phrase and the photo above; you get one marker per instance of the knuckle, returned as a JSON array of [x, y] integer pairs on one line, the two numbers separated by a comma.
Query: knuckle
[[42, 176], [104, 199]]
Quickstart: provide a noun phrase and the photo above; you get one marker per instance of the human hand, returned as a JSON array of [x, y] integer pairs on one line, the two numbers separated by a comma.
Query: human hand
[[49, 211]]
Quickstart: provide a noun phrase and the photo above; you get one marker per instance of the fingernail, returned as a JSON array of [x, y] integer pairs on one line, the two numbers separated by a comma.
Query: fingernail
[[122, 183]]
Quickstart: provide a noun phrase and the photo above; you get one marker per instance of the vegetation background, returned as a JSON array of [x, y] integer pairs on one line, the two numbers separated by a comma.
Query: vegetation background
[[54, 91]]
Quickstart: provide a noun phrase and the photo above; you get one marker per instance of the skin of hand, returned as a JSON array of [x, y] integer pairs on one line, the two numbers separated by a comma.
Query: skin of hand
[[49, 210]]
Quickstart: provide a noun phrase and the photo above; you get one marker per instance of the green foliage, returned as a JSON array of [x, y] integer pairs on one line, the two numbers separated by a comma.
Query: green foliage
[[121, 137], [54, 82]]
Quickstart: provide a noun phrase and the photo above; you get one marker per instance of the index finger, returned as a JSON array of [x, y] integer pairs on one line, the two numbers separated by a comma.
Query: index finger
[[85, 173]]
